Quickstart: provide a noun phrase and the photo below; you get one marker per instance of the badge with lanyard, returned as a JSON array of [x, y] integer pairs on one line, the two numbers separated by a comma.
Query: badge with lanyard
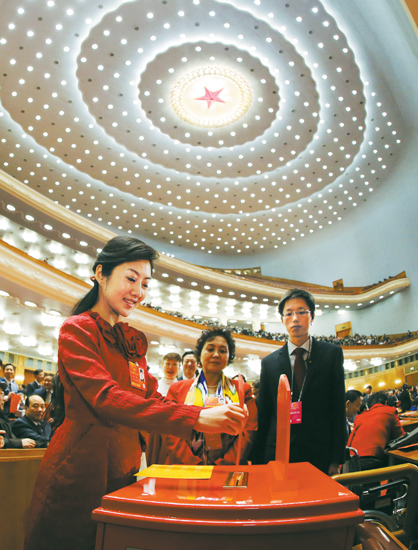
[[296, 412], [296, 406], [137, 375]]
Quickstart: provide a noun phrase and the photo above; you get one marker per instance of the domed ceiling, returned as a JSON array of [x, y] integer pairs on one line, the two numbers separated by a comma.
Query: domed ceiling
[[224, 127]]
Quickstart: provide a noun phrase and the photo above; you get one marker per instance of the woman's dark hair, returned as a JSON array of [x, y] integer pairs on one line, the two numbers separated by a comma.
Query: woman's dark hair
[[211, 334], [380, 397], [117, 251]]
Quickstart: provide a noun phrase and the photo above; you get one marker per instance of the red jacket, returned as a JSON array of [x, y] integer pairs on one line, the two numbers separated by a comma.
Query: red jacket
[[96, 450], [179, 451], [373, 429]]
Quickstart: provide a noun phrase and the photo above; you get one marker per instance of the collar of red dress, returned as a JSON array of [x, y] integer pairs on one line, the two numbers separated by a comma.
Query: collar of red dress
[[132, 343]]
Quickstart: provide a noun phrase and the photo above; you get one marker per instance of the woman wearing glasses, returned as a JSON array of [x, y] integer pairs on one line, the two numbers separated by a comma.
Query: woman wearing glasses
[[215, 349]]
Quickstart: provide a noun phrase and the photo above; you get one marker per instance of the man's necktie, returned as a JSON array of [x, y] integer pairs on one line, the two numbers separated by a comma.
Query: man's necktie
[[299, 368]]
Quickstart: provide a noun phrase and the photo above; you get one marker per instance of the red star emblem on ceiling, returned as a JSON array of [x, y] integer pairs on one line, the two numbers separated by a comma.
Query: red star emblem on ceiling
[[211, 97]]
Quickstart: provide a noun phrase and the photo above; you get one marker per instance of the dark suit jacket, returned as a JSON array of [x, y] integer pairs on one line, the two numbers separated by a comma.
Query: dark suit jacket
[[41, 392], [30, 388], [24, 427], [320, 438], [10, 441]]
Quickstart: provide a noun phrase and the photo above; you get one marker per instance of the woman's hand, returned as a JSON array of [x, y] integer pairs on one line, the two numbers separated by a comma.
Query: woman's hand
[[228, 419]]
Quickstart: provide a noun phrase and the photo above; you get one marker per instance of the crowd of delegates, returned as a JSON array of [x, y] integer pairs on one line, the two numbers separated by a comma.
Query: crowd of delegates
[[30, 422], [356, 340]]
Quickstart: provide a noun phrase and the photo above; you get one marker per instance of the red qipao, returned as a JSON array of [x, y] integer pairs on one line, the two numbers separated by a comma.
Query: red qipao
[[96, 450]]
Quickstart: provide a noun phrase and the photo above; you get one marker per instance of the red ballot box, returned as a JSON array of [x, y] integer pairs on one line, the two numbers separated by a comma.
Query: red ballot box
[[306, 509]]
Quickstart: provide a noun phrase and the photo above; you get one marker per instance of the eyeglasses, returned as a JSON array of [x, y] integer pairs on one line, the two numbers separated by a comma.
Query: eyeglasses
[[300, 313]]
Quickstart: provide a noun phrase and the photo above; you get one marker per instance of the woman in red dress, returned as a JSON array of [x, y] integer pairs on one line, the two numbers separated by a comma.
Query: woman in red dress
[[215, 350], [109, 396]]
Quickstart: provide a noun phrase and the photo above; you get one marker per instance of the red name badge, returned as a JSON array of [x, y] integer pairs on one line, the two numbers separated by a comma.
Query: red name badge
[[137, 375], [296, 412], [211, 401], [213, 441]]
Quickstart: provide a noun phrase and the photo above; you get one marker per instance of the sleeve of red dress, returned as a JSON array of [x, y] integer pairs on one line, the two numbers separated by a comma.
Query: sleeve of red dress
[[248, 435], [178, 450], [80, 357]]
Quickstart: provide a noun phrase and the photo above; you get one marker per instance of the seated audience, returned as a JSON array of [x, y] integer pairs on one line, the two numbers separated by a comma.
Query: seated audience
[[171, 365], [31, 425], [189, 364], [215, 350], [373, 429], [356, 340], [36, 384], [10, 441]]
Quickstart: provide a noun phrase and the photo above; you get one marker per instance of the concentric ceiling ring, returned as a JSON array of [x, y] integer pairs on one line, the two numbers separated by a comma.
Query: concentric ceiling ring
[[88, 116]]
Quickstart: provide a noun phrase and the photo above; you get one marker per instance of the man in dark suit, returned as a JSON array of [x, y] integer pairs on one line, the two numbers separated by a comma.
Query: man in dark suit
[[31, 425], [316, 377], [45, 391], [37, 384]]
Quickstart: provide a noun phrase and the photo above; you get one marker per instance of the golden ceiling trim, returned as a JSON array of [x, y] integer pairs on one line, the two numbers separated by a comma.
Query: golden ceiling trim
[[185, 269], [47, 206]]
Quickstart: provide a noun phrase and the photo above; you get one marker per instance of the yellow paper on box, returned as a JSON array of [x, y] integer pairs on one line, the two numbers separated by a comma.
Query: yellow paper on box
[[177, 471]]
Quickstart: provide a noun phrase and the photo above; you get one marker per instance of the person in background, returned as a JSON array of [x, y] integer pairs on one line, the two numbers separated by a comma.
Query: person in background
[[189, 364], [156, 452], [32, 425], [392, 399], [11, 385], [171, 365], [353, 399], [256, 389], [36, 384], [46, 390], [405, 400], [215, 350], [367, 394], [316, 378], [109, 396], [373, 429]]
